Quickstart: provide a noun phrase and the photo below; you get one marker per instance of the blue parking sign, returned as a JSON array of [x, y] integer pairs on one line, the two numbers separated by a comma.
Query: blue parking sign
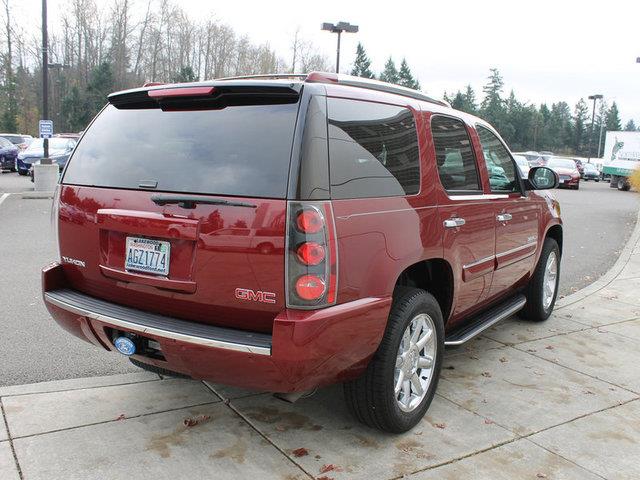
[[45, 128]]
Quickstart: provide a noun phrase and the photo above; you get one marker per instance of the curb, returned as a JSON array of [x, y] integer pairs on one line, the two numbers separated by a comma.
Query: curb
[[609, 276], [36, 195]]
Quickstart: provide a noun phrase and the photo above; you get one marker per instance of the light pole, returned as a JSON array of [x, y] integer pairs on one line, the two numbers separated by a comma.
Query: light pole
[[339, 28], [45, 80], [595, 98]]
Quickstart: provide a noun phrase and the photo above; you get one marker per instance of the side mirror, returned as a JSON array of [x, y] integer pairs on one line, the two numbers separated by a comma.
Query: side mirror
[[542, 178]]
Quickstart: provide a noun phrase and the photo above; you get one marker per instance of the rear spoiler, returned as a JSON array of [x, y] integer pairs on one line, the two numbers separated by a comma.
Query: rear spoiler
[[199, 96]]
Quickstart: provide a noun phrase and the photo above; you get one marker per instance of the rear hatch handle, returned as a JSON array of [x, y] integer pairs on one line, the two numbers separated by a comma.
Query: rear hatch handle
[[191, 202]]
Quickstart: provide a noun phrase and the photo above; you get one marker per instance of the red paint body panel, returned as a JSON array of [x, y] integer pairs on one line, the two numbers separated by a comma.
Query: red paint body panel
[[219, 250]]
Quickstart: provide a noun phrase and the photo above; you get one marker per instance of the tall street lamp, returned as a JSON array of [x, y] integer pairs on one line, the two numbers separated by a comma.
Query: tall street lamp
[[339, 28], [45, 80], [595, 98]]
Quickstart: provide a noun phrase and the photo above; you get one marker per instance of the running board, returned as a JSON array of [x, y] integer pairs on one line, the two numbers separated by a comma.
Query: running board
[[485, 320]]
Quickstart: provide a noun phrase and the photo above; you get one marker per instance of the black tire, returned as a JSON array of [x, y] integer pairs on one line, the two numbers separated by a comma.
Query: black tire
[[371, 398], [157, 370], [534, 309], [623, 184], [597, 180]]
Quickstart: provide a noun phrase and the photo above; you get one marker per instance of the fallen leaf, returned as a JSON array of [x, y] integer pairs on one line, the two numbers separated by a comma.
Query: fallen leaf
[[549, 347], [531, 350], [449, 367], [300, 452], [440, 425], [486, 374], [324, 477], [281, 428], [192, 422], [330, 467], [488, 421], [541, 475], [503, 360], [588, 392], [121, 417]]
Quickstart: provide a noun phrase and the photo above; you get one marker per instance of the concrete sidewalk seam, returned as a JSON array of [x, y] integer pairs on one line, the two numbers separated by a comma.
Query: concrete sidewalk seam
[[76, 389], [610, 276], [10, 440], [104, 422], [533, 354], [227, 402]]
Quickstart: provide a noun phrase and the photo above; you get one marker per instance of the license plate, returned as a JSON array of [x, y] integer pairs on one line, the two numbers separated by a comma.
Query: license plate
[[148, 256]]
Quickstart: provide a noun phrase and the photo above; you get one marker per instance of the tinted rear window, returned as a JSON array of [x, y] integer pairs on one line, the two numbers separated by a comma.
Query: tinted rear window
[[373, 150], [239, 150]]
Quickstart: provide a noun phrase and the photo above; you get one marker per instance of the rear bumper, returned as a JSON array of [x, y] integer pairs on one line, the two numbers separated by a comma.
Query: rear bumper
[[306, 349]]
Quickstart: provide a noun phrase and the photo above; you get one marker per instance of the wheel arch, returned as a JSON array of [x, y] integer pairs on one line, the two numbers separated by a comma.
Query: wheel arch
[[434, 275], [555, 232]]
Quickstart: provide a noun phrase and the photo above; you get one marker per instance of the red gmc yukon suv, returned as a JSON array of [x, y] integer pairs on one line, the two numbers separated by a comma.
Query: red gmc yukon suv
[[282, 233]]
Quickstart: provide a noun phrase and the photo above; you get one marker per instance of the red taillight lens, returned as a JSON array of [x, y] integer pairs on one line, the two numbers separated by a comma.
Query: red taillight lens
[[311, 253], [310, 287], [309, 221]]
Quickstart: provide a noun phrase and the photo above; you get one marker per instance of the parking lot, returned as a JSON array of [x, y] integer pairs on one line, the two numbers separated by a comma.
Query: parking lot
[[559, 399], [598, 221]]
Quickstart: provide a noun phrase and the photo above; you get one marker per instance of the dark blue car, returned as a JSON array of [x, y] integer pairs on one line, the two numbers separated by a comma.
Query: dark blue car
[[8, 154], [59, 150]]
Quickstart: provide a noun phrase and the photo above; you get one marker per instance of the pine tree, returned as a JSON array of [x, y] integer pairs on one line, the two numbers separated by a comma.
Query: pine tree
[[580, 118], [405, 77], [492, 107], [630, 126], [74, 112], [186, 74], [100, 85], [470, 105], [390, 72], [362, 64], [612, 122]]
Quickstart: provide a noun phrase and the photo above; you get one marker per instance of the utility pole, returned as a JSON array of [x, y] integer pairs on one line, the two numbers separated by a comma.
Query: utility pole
[[339, 28], [45, 80], [595, 98]]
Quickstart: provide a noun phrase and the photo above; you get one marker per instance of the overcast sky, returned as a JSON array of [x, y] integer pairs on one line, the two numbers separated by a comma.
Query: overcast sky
[[546, 50]]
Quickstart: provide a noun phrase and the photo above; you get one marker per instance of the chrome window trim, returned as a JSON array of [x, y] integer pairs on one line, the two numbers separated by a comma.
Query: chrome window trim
[[482, 196]]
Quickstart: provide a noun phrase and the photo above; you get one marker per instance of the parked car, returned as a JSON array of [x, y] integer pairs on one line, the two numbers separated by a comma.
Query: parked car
[[534, 158], [567, 171], [579, 166], [394, 245], [523, 165], [590, 172], [59, 151], [19, 140], [8, 155]]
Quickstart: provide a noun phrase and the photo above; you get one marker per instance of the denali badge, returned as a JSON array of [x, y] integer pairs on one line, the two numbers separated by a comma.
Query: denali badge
[[264, 297], [73, 261]]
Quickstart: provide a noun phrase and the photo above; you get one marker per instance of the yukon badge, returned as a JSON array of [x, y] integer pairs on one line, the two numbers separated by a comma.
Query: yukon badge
[[255, 296], [73, 261]]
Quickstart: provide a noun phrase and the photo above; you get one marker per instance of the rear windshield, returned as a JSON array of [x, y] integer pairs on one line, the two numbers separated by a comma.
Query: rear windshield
[[238, 150]]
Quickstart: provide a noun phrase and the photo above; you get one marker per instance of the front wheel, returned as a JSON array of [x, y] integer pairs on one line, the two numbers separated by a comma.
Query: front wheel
[[400, 381], [542, 290]]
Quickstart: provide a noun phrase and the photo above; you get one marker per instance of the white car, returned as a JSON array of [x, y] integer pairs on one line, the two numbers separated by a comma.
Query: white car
[[523, 165]]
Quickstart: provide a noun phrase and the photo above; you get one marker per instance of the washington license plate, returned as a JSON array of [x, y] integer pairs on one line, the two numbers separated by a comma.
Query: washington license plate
[[148, 256]]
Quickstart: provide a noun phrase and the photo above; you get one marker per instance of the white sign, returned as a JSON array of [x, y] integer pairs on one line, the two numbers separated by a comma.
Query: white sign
[[45, 127]]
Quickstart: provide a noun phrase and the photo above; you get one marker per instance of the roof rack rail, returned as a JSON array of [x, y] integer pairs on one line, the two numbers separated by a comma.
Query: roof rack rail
[[267, 76], [325, 77], [350, 80]]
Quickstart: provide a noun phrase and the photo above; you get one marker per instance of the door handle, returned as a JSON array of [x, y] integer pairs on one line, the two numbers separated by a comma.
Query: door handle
[[504, 217], [454, 222]]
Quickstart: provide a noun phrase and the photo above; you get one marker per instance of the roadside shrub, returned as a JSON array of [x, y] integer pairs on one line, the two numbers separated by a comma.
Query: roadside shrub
[[634, 179]]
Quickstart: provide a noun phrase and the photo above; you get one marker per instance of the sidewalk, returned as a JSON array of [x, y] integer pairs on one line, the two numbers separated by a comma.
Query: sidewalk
[[525, 401]]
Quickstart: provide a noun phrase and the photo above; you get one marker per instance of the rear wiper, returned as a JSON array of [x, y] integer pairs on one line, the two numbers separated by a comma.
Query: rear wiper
[[191, 202]]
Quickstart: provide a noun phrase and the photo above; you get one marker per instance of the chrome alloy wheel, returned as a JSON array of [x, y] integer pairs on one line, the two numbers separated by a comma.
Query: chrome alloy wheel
[[550, 280], [415, 362]]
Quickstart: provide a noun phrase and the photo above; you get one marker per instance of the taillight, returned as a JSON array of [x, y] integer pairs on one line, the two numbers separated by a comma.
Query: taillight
[[312, 255]]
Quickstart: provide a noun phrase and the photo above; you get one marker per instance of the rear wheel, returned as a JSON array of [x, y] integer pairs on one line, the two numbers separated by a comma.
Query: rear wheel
[[398, 386], [542, 290], [623, 184]]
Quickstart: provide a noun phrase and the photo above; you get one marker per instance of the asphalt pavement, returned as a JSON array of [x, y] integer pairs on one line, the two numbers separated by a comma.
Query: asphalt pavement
[[598, 222]]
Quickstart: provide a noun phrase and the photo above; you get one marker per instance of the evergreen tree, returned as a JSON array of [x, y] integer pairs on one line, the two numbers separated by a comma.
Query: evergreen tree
[[612, 122], [74, 112], [405, 77], [580, 118], [362, 64], [457, 101], [186, 74], [100, 85], [630, 126], [470, 105], [492, 107], [390, 72]]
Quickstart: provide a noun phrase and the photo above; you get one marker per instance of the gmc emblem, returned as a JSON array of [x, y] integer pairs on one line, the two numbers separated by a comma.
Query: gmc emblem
[[250, 295]]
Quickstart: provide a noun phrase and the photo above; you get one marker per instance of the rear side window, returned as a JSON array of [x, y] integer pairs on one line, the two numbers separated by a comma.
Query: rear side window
[[373, 150], [237, 150], [454, 155]]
